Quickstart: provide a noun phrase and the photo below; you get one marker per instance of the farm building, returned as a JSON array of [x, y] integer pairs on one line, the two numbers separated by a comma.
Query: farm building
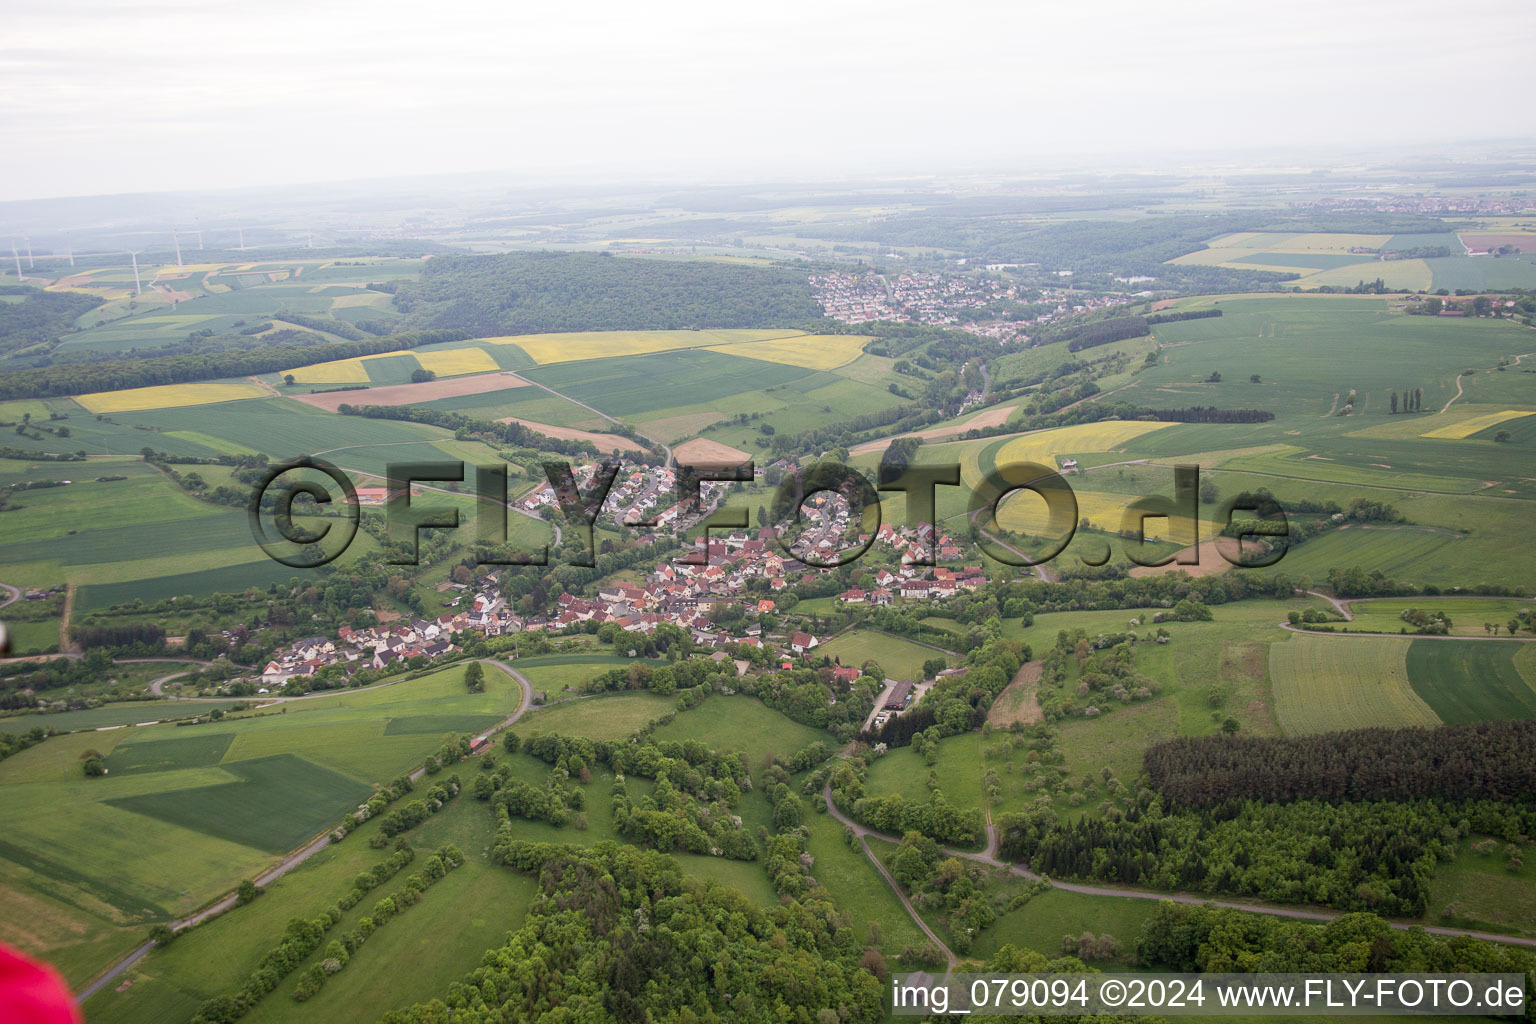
[[899, 695]]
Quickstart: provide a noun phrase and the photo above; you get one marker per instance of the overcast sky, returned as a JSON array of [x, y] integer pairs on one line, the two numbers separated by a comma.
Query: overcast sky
[[173, 94]]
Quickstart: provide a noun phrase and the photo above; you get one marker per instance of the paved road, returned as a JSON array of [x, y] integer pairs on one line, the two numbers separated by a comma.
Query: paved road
[[990, 858], [298, 856]]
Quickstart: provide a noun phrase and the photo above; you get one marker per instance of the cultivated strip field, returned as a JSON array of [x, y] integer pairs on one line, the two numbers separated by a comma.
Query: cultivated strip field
[[816, 351], [415, 394], [170, 396], [1328, 683], [605, 442], [1467, 427], [578, 345]]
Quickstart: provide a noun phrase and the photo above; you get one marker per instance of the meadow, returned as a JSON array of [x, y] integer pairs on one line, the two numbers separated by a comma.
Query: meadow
[[900, 658], [629, 387], [1468, 615], [744, 724]]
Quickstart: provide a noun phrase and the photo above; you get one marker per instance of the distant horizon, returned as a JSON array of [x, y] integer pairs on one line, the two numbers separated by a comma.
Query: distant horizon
[[173, 95], [1110, 164]]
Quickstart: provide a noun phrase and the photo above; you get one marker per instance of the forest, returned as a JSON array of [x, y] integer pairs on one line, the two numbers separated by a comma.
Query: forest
[[1480, 761], [124, 374], [618, 933], [532, 293], [1376, 856], [40, 317]]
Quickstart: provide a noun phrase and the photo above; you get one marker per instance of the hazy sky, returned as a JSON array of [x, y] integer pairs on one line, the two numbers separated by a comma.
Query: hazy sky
[[170, 94]]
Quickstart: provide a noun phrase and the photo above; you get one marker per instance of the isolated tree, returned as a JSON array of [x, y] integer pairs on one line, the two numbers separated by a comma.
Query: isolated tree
[[245, 892], [474, 677], [1254, 378], [1214, 378], [1209, 491], [289, 379], [1503, 437]]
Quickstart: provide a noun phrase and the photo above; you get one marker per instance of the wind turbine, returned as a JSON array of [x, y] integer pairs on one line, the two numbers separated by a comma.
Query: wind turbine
[[15, 256], [199, 221], [242, 239], [138, 289], [29, 251], [69, 250], [177, 243]]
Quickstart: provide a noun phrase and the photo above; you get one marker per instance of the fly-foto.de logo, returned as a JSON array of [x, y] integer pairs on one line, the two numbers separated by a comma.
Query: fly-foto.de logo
[[306, 534]]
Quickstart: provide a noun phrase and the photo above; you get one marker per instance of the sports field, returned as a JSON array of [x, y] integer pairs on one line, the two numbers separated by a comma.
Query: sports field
[[168, 396], [1328, 683]]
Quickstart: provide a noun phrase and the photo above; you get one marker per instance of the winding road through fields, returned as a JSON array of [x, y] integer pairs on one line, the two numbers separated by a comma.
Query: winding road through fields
[[303, 853], [989, 857]]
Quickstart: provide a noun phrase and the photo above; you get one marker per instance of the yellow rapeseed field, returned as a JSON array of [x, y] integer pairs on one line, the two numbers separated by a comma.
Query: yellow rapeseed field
[[455, 361], [566, 348], [813, 351], [337, 371], [169, 396], [1467, 427]]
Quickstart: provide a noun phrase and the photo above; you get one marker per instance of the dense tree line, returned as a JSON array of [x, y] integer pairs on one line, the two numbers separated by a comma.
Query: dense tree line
[[531, 293], [40, 317], [138, 636], [1485, 760], [1216, 940], [302, 938], [692, 805], [328, 324], [1104, 332], [121, 374], [618, 933], [1191, 314], [339, 951], [1377, 856]]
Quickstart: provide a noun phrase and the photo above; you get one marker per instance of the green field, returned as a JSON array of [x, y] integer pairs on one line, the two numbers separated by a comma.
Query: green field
[[278, 802], [1327, 683], [1470, 680], [607, 717], [744, 724], [629, 387], [901, 659], [1467, 615]]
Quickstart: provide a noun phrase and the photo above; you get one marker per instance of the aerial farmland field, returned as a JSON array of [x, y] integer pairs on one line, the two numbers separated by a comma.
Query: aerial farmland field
[[1326, 683]]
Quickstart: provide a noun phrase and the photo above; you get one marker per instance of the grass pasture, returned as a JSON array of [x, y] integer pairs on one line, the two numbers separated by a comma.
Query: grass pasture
[[900, 658], [744, 724], [607, 717], [1329, 683], [1471, 681], [1467, 614]]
